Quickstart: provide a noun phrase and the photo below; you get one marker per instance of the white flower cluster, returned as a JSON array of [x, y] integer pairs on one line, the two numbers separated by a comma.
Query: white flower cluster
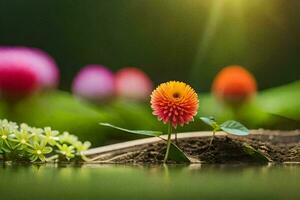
[[29, 143]]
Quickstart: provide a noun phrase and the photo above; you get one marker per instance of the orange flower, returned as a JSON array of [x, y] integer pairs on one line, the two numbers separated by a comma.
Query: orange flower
[[234, 84], [174, 102]]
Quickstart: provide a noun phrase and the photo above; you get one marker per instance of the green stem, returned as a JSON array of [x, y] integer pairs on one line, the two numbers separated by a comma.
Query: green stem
[[213, 136], [168, 142]]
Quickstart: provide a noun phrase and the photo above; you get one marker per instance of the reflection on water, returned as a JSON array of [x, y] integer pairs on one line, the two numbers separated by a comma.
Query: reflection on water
[[149, 182]]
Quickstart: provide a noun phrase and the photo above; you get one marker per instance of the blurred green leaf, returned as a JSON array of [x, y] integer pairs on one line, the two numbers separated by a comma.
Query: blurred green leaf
[[176, 154], [234, 127], [282, 101], [63, 112], [256, 154], [139, 132], [134, 115]]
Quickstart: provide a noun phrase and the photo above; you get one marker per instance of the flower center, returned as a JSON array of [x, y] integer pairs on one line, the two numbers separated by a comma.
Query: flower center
[[4, 137], [39, 152], [23, 141], [176, 95]]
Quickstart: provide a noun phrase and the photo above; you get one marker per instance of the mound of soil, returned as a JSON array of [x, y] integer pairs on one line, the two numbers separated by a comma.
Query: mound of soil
[[224, 149]]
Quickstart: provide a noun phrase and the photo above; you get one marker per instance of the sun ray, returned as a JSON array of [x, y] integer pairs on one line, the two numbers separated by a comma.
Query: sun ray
[[209, 32]]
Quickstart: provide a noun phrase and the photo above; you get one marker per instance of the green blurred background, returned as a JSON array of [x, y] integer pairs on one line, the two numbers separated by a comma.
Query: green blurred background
[[188, 40], [171, 39]]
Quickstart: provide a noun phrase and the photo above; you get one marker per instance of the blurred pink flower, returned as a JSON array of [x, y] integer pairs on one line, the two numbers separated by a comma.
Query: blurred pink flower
[[32, 59], [24, 71], [94, 82], [132, 83], [16, 82]]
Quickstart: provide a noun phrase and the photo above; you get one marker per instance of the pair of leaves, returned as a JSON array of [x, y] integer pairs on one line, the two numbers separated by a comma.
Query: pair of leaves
[[175, 153], [230, 126], [236, 128]]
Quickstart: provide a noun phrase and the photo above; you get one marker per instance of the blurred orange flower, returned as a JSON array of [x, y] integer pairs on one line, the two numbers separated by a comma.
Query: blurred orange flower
[[234, 84], [174, 102]]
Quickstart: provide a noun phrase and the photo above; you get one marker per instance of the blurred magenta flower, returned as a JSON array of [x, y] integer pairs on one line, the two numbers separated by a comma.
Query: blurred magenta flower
[[16, 82], [132, 83], [24, 70], [94, 82]]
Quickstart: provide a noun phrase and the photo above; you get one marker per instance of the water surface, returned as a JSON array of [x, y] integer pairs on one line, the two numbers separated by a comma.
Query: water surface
[[149, 182]]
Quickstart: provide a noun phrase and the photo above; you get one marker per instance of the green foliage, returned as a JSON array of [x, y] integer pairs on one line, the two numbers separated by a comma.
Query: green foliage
[[64, 112], [230, 126], [25, 143], [60, 110], [282, 101]]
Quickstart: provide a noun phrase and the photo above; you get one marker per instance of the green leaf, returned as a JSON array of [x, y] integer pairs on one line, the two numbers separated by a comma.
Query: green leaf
[[176, 154], [256, 154], [34, 112], [211, 122], [234, 127], [6, 150], [33, 158], [281, 100], [139, 132], [47, 150]]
